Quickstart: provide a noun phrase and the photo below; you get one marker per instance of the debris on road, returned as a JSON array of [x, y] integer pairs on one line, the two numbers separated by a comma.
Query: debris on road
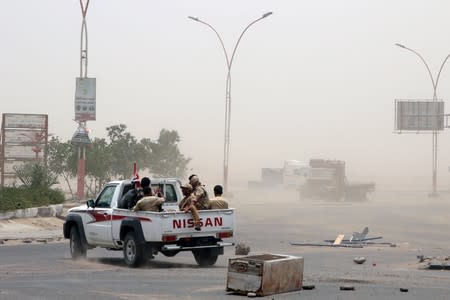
[[242, 249], [347, 288], [265, 274], [359, 260], [325, 245], [308, 287], [403, 290], [434, 263], [357, 240]]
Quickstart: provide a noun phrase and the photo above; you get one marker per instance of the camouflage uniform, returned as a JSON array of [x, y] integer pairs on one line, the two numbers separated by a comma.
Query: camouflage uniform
[[200, 197], [186, 205], [149, 203]]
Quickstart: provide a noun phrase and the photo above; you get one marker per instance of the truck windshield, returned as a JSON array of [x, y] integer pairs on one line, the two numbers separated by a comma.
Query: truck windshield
[[105, 198]]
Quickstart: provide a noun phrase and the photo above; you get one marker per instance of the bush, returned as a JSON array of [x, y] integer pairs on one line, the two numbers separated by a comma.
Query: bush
[[12, 198]]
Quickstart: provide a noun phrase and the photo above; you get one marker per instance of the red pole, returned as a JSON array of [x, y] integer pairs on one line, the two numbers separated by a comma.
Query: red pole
[[81, 172]]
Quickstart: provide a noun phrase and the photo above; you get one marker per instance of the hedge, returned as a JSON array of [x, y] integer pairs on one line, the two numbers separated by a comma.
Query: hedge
[[12, 198]]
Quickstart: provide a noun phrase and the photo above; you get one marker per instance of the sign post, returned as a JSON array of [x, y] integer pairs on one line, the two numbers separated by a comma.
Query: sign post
[[85, 108]]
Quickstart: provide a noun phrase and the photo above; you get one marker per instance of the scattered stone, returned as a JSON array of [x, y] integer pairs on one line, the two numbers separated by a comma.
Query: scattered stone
[[359, 260], [251, 295], [242, 249], [403, 290], [347, 288], [392, 245], [42, 241], [308, 286], [1, 242], [26, 241]]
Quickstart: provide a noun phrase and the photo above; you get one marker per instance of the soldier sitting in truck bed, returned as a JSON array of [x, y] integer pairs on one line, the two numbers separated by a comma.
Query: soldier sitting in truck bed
[[187, 205], [131, 197], [149, 202], [218, 202]]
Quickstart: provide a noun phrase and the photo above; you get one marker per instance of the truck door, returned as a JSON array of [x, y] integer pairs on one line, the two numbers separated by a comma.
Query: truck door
[[98, 228]]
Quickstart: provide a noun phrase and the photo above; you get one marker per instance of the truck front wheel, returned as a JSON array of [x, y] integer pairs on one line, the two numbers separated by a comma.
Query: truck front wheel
[[205, 257], [77, 249], [133, 253]]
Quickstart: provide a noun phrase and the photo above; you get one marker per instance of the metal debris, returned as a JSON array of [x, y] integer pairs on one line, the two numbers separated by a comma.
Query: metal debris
[[308, 287], [357, 240]]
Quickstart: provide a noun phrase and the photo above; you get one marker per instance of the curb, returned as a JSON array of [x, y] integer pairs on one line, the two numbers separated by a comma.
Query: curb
[[44, 211]]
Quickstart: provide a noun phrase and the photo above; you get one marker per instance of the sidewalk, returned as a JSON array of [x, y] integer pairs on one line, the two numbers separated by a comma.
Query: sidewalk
[[33, 230], [29, 230]]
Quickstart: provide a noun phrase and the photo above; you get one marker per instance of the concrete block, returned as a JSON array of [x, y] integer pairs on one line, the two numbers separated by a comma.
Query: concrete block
[[7, 215], [26, 213], [58, 209], [265, 274], [46, 211]]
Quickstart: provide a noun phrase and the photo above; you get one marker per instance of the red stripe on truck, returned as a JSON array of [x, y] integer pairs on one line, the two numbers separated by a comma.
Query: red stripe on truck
[[189, 223]]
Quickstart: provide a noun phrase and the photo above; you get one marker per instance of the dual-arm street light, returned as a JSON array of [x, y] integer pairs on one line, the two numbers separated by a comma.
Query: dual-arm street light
[[434, 135], [229, 61]]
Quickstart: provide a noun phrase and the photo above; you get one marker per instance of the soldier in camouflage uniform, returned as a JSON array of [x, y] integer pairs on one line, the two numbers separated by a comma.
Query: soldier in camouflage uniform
[[187, 205], [199, 195]]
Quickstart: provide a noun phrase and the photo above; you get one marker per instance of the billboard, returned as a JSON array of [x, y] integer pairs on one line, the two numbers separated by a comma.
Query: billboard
[[10, 165], [419, 115], [24, 138], [24, 121], [85, 94]]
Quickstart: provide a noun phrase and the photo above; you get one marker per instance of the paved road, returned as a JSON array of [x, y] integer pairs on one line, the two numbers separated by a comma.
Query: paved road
[[44, 271]]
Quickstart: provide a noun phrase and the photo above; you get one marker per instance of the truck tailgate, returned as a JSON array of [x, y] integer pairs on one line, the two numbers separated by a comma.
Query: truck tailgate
[[180, 224], [212, 221]]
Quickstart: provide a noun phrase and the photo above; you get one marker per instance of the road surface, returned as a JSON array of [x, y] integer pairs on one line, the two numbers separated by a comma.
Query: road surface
[[268, 222]]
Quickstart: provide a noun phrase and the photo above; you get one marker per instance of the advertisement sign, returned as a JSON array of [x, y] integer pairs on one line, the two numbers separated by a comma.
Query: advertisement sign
[[21, 136], [85, 94], [22, 151], [10, 166], [24, 138], [419, 115], [24, 121]]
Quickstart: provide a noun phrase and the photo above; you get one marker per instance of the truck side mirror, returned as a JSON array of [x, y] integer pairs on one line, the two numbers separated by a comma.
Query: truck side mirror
[[90, 203]]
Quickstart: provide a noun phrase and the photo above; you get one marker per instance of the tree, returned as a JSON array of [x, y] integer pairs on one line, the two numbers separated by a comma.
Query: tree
[[123, 147], [114, 156], [165, 158], [99, 162], [62, 160], [36, 175]]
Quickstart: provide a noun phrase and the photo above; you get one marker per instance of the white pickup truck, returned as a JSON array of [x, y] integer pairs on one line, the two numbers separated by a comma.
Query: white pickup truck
[[143, 234]]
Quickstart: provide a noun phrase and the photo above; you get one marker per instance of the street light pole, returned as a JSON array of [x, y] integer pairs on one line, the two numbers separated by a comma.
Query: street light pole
[[81, 169], [434, 134], [229, 61]]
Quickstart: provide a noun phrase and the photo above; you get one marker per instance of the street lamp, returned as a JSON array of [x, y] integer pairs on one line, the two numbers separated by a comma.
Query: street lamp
[[434, 135], [229, 61]]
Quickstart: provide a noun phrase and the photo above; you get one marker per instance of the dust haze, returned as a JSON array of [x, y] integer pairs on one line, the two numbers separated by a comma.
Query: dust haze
[[314, 80]]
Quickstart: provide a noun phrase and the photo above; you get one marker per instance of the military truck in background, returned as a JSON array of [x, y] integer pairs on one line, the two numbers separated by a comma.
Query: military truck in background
[[327, 181], [291, 176], [320, 179]]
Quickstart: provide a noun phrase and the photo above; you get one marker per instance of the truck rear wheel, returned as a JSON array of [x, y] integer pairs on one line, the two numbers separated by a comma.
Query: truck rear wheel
[[77, 249], [133, 253], [205, 257]]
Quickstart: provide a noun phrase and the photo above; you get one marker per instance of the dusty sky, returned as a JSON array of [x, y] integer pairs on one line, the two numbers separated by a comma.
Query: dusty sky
[[317, 79]]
